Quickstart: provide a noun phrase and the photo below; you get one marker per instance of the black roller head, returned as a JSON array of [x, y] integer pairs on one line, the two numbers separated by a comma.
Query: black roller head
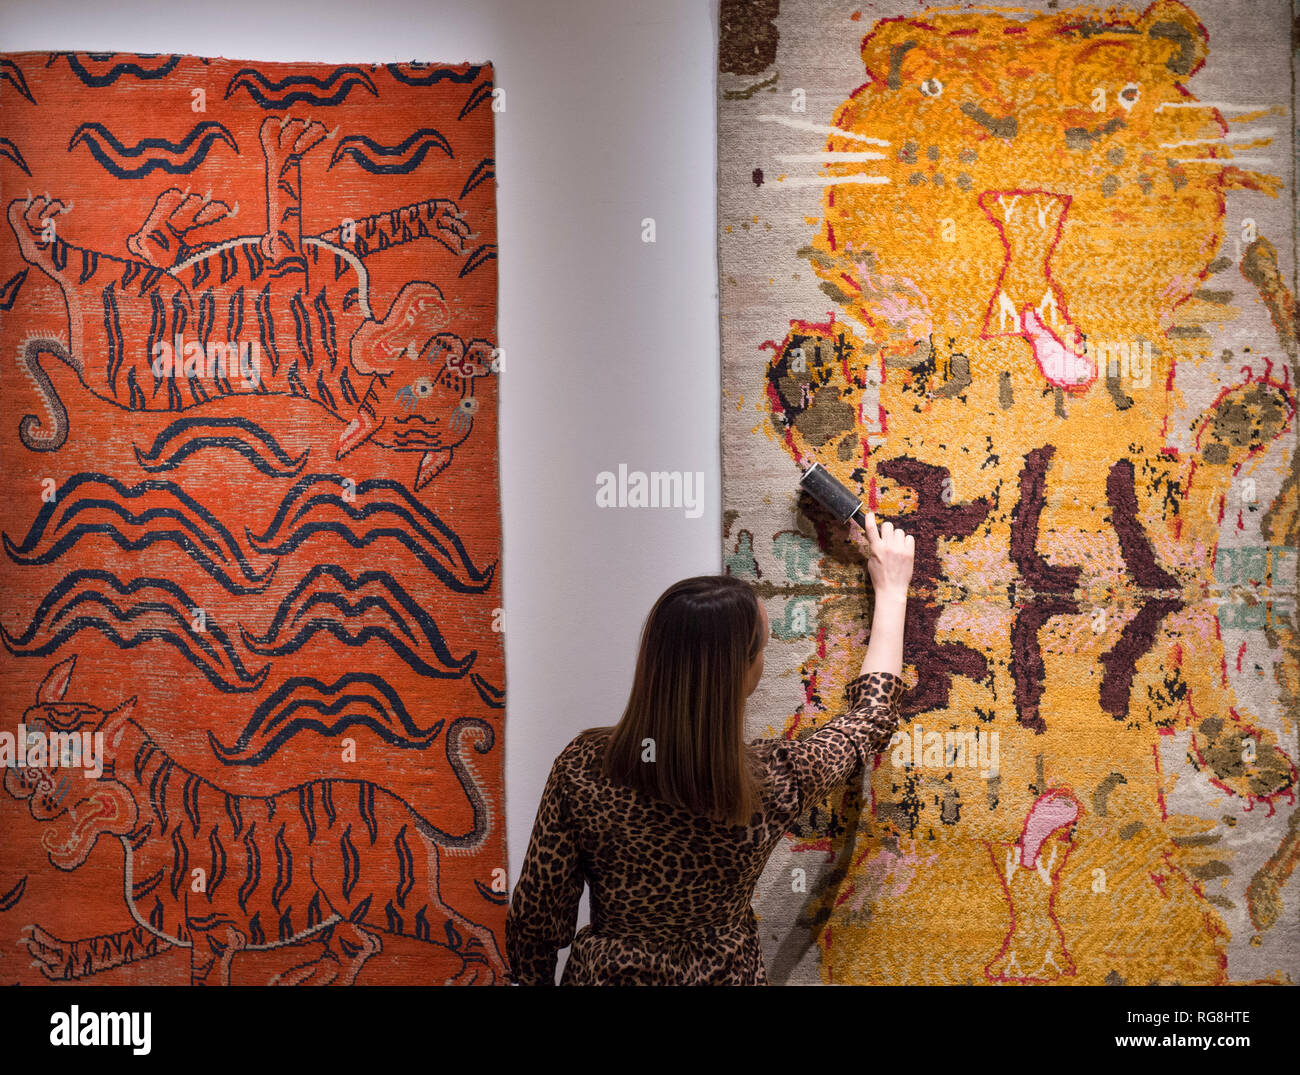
[[823, 487]]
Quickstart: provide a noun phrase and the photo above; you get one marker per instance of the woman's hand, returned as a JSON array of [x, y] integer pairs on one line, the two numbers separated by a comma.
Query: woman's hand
[[890, 552], [889, 563]]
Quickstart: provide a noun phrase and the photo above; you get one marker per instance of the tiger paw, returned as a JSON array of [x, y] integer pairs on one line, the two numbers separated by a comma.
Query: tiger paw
[[284, 139], [33, 224], [52, 955], [318, 972], [449, 225], [175, 213]]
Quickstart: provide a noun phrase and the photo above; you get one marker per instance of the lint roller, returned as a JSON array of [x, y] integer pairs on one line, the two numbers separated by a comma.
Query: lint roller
[[826, 489]]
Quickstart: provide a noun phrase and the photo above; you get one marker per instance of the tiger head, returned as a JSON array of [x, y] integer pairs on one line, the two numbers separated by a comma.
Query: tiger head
[[1018, 177], [419, 376], [78, 809]]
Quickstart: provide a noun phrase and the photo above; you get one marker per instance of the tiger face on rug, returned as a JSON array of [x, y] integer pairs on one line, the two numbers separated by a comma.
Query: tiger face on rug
[[1022, 264]]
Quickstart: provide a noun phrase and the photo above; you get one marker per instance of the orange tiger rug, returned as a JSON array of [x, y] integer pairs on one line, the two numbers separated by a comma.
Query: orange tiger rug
[[252, 648]]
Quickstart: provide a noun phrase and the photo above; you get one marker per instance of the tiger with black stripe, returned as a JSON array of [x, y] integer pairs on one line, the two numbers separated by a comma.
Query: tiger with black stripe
[[403, 380], [334, 860]]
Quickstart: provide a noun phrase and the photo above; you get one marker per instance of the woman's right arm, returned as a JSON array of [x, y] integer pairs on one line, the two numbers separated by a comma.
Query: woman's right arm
[[890, 553], [821, 761]]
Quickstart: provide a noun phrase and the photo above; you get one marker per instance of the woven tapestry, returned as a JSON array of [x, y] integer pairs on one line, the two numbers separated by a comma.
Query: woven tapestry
[[252, 656], [1023, 279]]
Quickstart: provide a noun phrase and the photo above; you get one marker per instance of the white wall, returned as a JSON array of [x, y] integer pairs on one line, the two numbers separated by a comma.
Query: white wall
[[611, 343]]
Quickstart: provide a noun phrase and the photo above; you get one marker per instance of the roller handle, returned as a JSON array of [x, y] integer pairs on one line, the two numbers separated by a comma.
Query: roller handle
[[826, 489]]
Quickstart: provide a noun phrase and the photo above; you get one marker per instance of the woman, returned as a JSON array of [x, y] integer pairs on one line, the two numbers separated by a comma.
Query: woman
[[671, 816]]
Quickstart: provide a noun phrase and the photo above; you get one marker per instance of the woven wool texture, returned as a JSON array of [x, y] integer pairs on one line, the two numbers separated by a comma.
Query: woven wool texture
[[267, 573], [1024, 280]]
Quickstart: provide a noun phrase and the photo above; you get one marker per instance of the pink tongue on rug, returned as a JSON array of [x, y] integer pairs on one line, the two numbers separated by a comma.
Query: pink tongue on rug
[[1026, 301], [1055, 810]]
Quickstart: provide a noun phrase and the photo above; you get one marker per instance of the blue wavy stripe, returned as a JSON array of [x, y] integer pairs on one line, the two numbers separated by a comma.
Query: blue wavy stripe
[[362, 638], [115, 157], [183, 638], [421, 527], [277, 718], [419, 74], [406, 155], [191, 537], [107, 78], [302, 598], [269, 93], [275, 462]]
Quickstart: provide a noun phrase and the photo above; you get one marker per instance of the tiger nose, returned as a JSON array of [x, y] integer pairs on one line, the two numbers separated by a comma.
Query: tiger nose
[[999, 126]]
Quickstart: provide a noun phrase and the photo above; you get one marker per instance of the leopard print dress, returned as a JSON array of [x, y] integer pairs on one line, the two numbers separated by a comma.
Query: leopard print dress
[[670, 890]]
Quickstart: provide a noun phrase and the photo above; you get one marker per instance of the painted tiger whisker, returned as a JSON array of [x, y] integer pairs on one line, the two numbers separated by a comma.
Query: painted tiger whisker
[[821, 128], [832, 180], [1222, 106], [1226, 162], [829, 158], [1254, 136]]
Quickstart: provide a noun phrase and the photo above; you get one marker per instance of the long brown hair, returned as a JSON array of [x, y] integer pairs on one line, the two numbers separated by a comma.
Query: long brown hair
[[688, 699]]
